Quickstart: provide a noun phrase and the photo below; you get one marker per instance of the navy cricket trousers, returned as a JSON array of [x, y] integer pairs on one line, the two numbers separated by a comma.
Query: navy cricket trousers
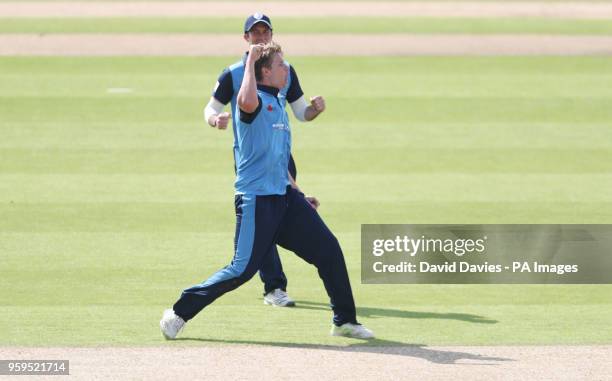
[[271, 272], [261, 223]]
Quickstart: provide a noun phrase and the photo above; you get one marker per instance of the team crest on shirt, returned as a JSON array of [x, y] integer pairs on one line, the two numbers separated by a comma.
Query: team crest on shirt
[[270, 108]]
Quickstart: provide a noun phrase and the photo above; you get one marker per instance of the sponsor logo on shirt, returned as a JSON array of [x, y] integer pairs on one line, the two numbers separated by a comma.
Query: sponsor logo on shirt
[[280, 126]]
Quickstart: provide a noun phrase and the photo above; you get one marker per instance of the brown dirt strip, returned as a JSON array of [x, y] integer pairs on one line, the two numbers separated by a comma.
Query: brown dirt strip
[[299, 45], [573, 10], [253, 362]]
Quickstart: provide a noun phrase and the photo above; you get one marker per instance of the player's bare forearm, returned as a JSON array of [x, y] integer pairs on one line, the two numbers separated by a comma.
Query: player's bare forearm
[[316, 107], [310, 113], [247, 96]]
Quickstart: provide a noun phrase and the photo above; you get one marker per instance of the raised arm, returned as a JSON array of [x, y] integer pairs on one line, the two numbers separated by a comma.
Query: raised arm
[[247, 96]]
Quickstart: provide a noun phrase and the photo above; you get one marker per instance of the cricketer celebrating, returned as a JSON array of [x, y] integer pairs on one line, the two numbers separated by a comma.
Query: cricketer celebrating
[[269, 209], [258, 30]]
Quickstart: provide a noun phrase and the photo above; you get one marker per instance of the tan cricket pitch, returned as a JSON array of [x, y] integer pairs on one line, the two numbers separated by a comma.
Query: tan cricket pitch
[[301, 45], [307, 44], [309, 362], [569, 9]]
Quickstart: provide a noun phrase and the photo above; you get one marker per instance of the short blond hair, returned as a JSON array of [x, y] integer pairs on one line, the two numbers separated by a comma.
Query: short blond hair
[[265, 60]]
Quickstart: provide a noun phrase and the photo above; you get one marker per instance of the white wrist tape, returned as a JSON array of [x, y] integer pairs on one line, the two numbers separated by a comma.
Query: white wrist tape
[[299, 108], [214, 107]]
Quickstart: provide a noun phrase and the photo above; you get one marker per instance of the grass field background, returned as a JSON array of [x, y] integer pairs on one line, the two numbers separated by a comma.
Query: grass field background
[[111, 203], [311, 25], [115, 194]]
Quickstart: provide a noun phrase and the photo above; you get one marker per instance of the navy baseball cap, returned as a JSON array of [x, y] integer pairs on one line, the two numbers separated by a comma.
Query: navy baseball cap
[[256, 18]]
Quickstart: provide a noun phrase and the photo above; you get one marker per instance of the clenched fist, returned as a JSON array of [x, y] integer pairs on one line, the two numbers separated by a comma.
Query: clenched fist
[[314, 203], [255, 51], [222, 120], [318, 103]]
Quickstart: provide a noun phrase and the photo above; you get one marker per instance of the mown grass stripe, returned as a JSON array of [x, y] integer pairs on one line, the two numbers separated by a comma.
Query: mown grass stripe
[[391, 160], [342, 216], [289, 25], [333, 186]]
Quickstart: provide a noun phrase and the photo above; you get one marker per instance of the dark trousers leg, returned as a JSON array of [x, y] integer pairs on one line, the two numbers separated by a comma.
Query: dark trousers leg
[[304, 232], [257, 221], [271, 272]]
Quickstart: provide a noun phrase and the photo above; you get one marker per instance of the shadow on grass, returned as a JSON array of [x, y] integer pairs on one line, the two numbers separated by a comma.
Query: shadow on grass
[[380, 346], [376, 346], [387, 312]]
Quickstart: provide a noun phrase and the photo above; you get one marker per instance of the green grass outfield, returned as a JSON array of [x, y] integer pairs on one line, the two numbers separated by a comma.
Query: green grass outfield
[[111, 203], [353, 25]]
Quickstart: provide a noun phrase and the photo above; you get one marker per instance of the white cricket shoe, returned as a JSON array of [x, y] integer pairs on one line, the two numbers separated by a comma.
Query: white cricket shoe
[[171, 324], [278, 298], [356, 331]]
